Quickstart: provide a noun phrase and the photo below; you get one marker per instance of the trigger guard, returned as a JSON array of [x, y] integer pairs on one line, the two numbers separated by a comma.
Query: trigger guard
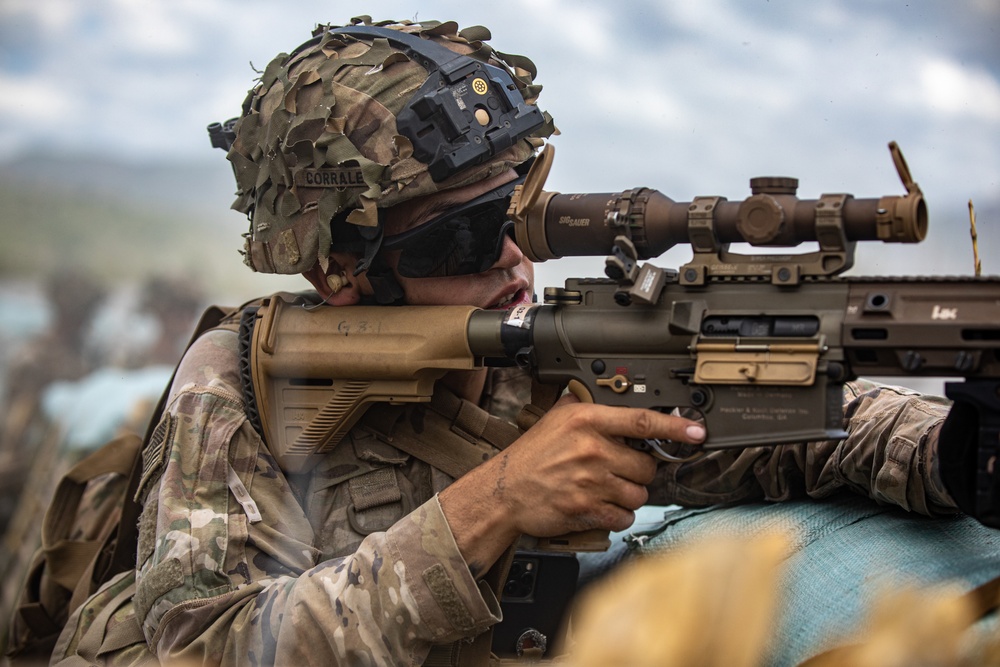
[[658, 452]]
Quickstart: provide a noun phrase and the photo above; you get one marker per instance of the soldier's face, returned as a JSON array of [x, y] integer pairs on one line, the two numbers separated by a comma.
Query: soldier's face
[[508, 282]]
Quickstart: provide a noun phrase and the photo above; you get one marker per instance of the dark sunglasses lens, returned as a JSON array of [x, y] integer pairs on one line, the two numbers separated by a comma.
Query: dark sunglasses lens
[[462, 245]]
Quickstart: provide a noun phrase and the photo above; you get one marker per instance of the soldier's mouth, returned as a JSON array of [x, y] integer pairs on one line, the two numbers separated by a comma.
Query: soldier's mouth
[[509, 300]]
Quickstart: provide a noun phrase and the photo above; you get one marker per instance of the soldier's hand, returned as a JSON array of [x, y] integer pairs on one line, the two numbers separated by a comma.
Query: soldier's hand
[[571, 471]]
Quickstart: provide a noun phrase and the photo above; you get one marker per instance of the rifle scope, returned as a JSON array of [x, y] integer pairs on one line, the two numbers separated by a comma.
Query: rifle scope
[[552, 225]]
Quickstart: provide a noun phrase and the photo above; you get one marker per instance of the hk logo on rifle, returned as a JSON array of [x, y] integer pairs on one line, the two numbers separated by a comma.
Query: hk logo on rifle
[[940, 313]]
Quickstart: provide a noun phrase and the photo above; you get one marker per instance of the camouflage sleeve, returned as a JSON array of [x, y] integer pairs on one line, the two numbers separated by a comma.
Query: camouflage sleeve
[[888, 455], [234, 581]]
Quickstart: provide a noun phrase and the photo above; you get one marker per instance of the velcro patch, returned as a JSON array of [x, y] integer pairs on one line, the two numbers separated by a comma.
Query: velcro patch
[[147, 530], [160, 580], [448, 598]]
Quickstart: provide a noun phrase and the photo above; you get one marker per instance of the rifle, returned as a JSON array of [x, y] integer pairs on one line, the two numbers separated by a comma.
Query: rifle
[[759, 345]]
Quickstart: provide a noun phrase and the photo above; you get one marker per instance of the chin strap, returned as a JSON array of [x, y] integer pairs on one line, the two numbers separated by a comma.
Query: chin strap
[[388, 291]]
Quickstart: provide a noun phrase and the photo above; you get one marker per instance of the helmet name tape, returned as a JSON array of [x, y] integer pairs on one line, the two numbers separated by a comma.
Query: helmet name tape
[[332, 177]]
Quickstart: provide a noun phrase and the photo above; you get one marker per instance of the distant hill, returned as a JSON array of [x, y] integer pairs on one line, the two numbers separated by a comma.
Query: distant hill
[[125, 222], [197, 185]]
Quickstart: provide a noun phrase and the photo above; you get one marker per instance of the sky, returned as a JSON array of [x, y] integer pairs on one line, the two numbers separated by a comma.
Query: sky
[[690, 98]]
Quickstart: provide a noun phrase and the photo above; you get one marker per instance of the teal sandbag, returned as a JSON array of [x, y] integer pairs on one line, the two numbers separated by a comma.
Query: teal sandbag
[[846, 552]]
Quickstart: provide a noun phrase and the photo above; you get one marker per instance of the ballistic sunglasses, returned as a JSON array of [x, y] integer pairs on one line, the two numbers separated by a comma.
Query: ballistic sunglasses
[[465, 240]]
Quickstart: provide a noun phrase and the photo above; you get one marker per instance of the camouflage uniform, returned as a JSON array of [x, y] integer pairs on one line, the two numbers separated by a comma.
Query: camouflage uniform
[[302, 584]]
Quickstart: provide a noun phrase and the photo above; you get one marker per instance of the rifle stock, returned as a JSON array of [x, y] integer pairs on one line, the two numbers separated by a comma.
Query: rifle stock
[[316, 371]]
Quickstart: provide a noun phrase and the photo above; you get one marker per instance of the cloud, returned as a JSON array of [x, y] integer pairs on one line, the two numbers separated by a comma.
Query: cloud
[[51, 17], [951, 89], [150, 29], [30, 100], [584, 31]]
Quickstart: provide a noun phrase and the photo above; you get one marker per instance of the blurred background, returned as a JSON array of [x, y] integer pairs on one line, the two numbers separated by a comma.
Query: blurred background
[[109, 185]]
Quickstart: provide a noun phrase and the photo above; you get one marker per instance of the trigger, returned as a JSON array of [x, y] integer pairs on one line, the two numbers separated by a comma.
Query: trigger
[[580, 390]]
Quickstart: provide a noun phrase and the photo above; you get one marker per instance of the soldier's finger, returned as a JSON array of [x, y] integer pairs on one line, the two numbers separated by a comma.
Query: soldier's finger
[[647, 424]]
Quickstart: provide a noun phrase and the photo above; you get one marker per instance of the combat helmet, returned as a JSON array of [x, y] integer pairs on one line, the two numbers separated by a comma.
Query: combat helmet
[[363, 117]]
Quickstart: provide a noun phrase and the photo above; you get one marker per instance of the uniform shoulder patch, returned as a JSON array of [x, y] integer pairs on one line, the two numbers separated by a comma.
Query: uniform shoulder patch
[[154, 455]]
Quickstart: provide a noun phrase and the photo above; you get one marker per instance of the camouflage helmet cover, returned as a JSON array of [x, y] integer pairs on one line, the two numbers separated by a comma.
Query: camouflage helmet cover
[[318, 139]]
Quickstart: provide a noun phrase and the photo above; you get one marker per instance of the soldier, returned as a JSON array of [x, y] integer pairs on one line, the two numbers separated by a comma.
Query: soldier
[[373, 555]]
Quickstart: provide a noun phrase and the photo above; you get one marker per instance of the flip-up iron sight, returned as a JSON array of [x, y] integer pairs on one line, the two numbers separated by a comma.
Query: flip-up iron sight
[[642, 223]]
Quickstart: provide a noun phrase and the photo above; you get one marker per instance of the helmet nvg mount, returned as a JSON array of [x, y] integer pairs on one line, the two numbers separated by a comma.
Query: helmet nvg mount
[[466, 112], [363, 117]]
